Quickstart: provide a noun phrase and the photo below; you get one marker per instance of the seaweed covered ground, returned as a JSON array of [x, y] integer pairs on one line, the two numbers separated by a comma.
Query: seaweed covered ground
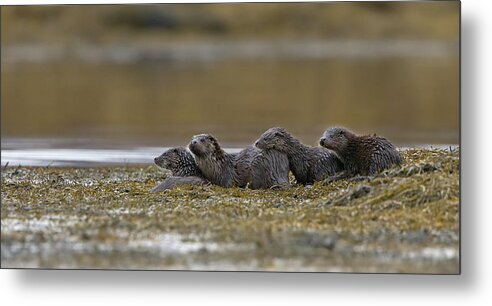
[[403, 220]]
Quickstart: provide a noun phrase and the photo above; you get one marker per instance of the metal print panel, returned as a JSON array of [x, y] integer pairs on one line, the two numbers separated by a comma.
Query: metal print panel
[[300, 137]]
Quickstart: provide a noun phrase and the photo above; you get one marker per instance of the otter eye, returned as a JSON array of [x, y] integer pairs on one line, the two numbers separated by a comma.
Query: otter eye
[[202, 140]]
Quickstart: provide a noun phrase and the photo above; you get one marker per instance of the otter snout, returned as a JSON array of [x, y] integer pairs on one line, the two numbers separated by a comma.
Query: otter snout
[[322, 141], [158, 161], [260, 144], [194, 147], [193, 144]]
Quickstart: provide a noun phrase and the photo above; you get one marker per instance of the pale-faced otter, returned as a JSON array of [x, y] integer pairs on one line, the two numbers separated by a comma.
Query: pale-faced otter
[[308, 164], [249, 168], [183, 169], [179, 161], [361, 155]]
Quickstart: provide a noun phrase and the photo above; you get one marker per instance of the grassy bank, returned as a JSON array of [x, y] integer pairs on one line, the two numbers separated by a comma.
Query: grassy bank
[[403, 220]]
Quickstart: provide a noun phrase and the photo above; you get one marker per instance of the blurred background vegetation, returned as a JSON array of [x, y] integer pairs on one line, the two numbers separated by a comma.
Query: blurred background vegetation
[[63, 73], [130, 23]]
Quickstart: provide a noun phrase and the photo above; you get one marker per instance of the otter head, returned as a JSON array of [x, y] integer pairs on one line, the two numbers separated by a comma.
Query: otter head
[[336, 139], [172, 159], [204, 144], [275, 138]]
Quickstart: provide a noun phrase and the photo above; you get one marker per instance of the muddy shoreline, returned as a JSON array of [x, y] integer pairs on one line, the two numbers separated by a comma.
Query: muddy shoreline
[[403, 220]]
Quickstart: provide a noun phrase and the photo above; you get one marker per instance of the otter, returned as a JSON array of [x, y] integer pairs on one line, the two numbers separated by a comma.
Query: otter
[[308, 164], [179, 161], [260, 169], [361, 155], [183, 169], [251, 167]]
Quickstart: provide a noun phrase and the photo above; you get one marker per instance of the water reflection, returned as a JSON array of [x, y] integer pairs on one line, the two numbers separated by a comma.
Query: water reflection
[[158, 102], [154, 75]]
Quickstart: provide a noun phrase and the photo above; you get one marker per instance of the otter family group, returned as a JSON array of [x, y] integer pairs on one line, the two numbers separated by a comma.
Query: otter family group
[[267, 163]]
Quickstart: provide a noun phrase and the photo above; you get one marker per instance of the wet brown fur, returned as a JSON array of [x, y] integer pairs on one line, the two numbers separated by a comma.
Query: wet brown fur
[[249, 168], [308, 164], [183, 169], [361, 155]]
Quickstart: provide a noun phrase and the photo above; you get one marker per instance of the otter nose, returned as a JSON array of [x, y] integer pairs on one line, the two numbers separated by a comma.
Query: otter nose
[[256, 143], [322, 141], [194, 141], [155, 159]]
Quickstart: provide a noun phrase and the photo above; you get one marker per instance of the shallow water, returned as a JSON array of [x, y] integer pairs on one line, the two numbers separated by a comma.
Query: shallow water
[[172, 250], [56, 153], [206, 51], [153, 95]]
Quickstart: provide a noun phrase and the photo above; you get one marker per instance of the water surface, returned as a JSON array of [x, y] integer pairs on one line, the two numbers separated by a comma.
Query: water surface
[[84, 153], [160, 95]]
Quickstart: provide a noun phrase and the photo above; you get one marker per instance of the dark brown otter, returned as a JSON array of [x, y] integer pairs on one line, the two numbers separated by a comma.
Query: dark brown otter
[[216, 165], [249, 168], [183, 169], [308, 164], [260, 169], [361, 155]]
